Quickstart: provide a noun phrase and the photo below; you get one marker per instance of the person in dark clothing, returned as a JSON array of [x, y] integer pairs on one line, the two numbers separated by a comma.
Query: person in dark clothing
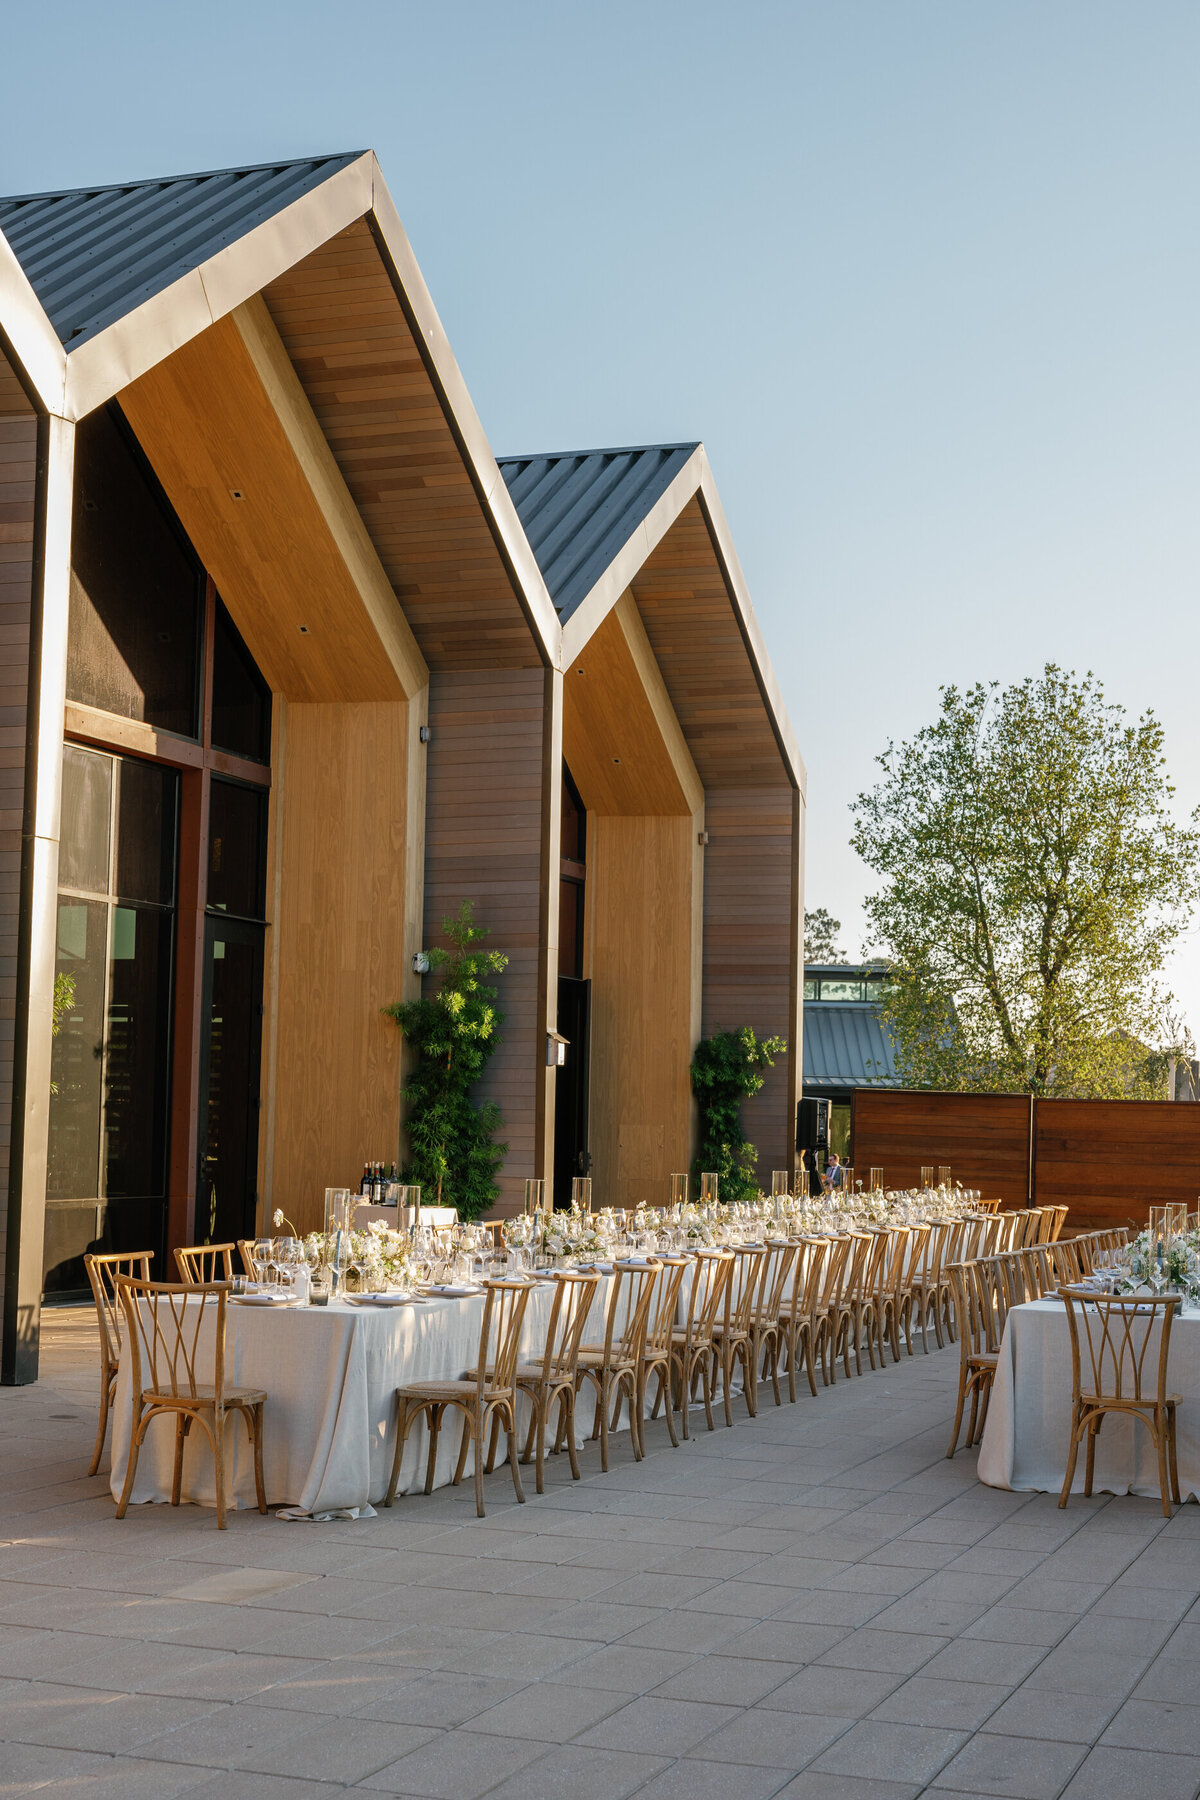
[[814, 1174]]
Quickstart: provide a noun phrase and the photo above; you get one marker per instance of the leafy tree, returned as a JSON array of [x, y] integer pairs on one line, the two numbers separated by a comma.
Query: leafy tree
[[726, 1070], [453, 1033], [62, 1003], [1033, 883], [820, 937]]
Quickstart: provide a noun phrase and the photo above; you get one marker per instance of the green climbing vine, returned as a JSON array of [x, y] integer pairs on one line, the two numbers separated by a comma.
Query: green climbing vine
[[727, 1069], [453, 1034]]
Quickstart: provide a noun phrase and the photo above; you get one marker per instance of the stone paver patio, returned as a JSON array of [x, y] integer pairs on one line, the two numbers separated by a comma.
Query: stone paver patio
[[814, 1605]]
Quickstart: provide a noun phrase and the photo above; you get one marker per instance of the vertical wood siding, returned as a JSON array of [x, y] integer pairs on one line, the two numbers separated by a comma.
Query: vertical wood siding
[[483, 842]]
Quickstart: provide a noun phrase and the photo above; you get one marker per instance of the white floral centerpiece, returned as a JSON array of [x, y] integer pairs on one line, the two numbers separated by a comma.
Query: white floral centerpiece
[[572, 1233]]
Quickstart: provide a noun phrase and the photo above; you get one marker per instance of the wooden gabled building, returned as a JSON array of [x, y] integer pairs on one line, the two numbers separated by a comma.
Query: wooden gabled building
[[291, 667]]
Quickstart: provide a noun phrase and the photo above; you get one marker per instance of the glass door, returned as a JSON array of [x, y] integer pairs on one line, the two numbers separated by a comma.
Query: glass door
[[231, 1037]]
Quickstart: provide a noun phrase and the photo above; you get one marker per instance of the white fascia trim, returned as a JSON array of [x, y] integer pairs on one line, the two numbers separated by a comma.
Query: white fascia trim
[[592, 611], [33, 338], [533, 590], [144, 337], [735, 582]]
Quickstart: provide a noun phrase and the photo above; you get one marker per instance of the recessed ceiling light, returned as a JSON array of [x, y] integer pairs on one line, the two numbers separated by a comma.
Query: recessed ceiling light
[[237, 493]]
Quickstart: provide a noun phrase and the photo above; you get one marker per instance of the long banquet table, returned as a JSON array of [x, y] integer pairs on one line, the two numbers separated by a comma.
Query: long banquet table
[[1025, 1440], [330, 1374]]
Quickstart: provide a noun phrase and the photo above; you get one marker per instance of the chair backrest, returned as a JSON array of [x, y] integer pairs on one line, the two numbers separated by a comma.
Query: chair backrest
[[201, 1263], [665, 1304], [629, 1302], [175, 1333], [800, 1302], [778, 1264], [838, 1258], [504, 1306], [991, 1235], [1053, 1220], [1111, 1355], [871, 1280], [741, 1296], [978, 1307], [574, 1292], [249, 1261], [706, 1301], [102, 1270]]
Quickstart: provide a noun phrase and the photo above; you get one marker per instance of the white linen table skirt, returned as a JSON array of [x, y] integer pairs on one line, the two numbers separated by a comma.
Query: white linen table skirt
[[330, 1375], [1025, 1440]]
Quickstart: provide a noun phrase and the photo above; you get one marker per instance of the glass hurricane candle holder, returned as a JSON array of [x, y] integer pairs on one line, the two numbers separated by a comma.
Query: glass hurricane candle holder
[[709, 1186], [535, 1189], [581, 1193]]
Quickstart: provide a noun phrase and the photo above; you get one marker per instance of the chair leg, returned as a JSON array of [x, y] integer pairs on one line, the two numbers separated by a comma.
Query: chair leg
[[664, 1394], [962, 1401], [1072, 1459], [465, 1444], [473, 1425], [218, 1431], [135, 1445], [1090, 1464], [105, 1402], [539, 1409], [1171, 1434], [254, 1422], [567, 1421], [177, 1471], [401, 1435], [513, 1459], [435, 1426], [602, 1408]]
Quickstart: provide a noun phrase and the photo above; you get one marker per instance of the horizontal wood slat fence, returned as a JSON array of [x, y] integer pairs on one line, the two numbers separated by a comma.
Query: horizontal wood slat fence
[[1108, 1160]]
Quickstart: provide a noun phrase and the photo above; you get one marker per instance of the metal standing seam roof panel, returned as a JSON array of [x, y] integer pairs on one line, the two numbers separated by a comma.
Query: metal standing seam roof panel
[[579, 508], [847, 1046], [94, 254]]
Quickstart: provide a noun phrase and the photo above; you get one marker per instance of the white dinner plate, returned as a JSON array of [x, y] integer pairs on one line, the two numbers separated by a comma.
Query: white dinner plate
[[383, 1299], [263, 1299], [453, 1290]]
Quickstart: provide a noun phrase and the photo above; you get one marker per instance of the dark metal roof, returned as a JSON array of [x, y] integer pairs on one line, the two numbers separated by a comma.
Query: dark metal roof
[[93, 254], [846, 1046], [580, 508]]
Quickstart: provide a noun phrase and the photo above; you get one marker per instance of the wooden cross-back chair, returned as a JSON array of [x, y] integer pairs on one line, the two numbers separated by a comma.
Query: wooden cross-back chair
[[614, 1367], [868, 1298], [205, 1263], [1116, 1367], [836, 1276], [768, 1335], [731, 1336], [798, 1315], [692, 1343], [980, 1310], [657, 1353], [102, 1270], [550, 1381], [487, 1391], [175, 1338]]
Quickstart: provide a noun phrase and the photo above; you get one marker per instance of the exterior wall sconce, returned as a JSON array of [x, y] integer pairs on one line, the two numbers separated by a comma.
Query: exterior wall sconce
[[425, 734], [556, 1050], [421, 962], [702, 838]]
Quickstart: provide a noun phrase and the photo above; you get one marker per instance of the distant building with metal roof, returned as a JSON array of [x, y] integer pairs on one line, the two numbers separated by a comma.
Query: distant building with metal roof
[[579, 508], [846, 1044]]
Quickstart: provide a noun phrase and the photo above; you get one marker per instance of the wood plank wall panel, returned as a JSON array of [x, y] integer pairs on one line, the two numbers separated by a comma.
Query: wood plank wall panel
[[693, 631], [640, 874], [983, 1137], [750, 897], [345, 330], [483, 842], [341, 949], [18, 477], [1111, 1160]]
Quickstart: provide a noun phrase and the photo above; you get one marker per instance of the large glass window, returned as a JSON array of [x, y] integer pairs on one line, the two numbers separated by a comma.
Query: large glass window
[[136, 588], [241, 699], [109, 1111], [237, 823]]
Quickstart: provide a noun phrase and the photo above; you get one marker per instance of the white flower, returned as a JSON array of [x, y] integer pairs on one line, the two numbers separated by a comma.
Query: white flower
[[278, 1216]]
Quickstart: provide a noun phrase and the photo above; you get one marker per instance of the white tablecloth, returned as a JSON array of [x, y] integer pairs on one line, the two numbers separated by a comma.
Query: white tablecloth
[[1025, 1441], [330, 1374]]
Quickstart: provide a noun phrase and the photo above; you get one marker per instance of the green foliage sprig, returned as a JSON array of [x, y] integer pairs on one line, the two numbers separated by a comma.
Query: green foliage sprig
[[727, 1069], [454, 1036]]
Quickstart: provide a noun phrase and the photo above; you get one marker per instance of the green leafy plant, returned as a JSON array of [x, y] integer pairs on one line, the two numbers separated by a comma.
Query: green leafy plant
[[727, 1069], [1035, 881], [453, 1035]]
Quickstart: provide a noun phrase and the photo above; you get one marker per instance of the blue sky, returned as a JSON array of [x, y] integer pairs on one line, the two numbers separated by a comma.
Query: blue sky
[[923, 274]]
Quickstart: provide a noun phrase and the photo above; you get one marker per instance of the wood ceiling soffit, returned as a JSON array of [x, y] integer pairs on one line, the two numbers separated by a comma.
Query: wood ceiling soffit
[[691, 624], [621, 741], [277, 553], [14, 402], [366, 380]]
